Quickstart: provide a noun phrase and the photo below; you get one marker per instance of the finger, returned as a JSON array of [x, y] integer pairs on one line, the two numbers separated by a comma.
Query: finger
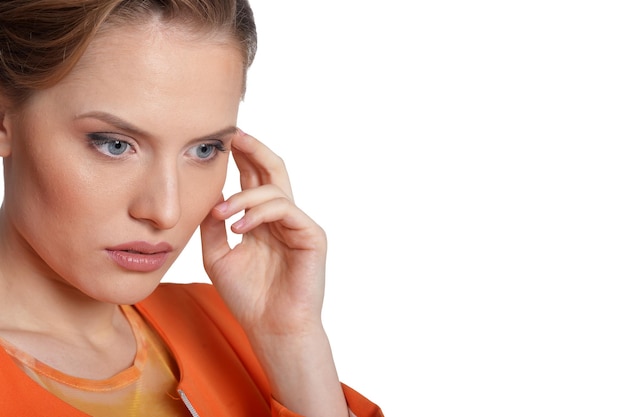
[[258, 165], [305, 233], [247, 199], [214, 241]]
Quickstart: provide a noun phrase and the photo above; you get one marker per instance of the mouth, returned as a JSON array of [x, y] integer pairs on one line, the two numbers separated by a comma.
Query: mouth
[[140, 256]]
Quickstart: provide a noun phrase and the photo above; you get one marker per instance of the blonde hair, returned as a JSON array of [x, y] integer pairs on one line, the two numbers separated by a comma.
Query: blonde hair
[[42, 40]]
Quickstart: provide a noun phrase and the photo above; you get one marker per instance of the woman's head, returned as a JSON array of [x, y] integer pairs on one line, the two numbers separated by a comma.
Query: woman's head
[[41, 40], [119, 151]]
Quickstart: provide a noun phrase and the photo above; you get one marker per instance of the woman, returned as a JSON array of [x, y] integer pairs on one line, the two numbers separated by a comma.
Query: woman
[[117, 119]]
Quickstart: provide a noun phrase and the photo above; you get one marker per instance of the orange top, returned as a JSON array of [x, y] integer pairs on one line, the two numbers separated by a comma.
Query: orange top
[[219, 375], [146, 388]]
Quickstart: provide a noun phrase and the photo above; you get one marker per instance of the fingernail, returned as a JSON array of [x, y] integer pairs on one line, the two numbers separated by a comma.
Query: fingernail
[[222, 207], [239, 224]]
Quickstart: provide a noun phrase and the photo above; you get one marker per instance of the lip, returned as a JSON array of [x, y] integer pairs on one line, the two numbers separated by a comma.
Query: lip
[[140, 256]]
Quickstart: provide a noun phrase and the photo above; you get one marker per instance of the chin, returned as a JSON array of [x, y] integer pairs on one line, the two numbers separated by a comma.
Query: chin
[[129, 291]]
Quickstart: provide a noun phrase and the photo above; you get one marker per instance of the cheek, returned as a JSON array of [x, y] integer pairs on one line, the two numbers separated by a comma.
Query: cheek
[[57, 188], [73, 183], [201, 191], [51, 206], [47, 179], [56, 199], [45, 164]]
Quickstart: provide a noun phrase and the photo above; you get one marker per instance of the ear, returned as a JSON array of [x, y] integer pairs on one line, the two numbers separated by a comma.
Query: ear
[[5, 131]]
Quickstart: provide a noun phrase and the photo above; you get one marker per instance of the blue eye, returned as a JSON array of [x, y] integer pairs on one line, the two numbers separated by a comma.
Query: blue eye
[[107, 145], [207, 151], [117, 147]]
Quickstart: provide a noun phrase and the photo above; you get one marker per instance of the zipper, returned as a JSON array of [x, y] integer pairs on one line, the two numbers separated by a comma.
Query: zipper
[[192, 410]]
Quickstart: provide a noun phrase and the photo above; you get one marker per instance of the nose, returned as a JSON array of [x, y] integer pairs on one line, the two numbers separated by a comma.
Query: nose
[[157, 197]]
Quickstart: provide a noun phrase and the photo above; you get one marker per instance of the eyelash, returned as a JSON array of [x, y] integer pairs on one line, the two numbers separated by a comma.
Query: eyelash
[[98, 140], [216, 146]]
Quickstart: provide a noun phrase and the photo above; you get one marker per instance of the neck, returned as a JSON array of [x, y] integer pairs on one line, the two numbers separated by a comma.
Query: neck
[[34, 298], [53, 308], [48, 318]]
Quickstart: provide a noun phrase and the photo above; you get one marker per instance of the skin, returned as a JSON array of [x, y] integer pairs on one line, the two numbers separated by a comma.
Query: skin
[[166, 93]]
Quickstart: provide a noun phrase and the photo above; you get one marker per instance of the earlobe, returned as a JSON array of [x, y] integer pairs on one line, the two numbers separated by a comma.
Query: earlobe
[[5, 133]]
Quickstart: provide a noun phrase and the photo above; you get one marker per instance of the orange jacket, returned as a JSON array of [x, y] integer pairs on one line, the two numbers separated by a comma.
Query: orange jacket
[[219, 374]]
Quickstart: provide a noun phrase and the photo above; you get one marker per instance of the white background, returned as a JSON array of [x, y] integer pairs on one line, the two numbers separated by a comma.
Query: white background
[[467, 160]]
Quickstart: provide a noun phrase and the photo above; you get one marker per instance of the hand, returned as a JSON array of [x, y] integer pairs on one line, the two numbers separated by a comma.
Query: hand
[[273, 281]]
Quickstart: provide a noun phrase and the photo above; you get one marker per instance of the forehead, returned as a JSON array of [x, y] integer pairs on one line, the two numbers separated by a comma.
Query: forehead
[[153, 41], [155, 69]]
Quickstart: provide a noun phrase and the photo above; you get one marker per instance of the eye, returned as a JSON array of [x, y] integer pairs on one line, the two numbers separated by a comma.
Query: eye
[[207, 151], [108, 145], [116, 147]]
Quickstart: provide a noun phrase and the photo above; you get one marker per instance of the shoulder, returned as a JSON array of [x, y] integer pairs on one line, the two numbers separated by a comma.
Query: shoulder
[[185, 298], [194, 304], [169, 291]]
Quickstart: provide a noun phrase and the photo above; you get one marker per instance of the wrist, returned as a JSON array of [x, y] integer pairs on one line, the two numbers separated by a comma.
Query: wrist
[[301, 372]]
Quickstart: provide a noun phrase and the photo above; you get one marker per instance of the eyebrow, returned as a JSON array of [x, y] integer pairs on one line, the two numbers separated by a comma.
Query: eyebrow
[[134, 130]]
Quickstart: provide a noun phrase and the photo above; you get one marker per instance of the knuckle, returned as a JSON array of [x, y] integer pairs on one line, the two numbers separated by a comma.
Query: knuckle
[[277, 165]]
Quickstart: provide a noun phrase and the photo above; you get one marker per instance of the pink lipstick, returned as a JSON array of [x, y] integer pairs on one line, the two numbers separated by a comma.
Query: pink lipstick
[[140, 256]]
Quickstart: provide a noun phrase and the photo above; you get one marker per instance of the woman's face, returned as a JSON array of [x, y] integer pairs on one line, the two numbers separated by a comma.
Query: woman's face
[[111, 170]]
